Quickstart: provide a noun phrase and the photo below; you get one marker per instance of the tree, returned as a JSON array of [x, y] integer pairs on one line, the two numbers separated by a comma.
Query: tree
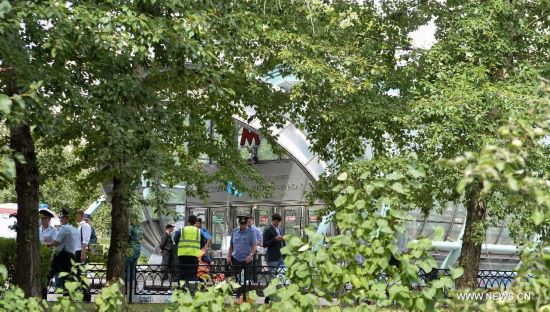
[[483, 71], [157, 73], [37, 80]]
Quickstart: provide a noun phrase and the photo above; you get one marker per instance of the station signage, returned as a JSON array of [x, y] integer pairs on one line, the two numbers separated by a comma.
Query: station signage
[[290, 219], [249, 136]]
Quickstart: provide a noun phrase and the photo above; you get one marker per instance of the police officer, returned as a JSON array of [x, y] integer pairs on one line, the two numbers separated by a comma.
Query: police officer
[[242, 249], [65, 243], [46, 232], [188, 240]]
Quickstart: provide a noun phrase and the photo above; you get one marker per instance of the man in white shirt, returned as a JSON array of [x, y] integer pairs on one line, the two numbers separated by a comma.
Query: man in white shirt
[[46, 232], [85, 233]]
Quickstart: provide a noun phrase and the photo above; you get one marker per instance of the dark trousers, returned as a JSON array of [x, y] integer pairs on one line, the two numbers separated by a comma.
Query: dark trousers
[[85, 288], [169, 263], [61, 262], [189, 266], [238, 268], [255, 270]]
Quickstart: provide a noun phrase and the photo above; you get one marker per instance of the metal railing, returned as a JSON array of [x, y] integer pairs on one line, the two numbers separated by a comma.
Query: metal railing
[[159, 280]]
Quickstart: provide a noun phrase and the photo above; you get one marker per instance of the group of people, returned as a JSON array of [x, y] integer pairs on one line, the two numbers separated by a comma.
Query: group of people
[[195, 241], [187, 248], [71, 244]]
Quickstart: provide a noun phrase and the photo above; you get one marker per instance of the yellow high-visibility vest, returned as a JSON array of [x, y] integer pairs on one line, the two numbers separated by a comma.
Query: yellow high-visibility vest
[[190, 241]]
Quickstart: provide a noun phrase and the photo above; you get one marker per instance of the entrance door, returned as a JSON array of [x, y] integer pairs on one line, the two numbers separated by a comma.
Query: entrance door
[[313, 218], [292, 219], [218, 226], [201, 213]]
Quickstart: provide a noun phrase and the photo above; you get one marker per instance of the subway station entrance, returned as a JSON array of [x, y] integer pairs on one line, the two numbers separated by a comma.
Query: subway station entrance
[[221, 220], [289, 184]]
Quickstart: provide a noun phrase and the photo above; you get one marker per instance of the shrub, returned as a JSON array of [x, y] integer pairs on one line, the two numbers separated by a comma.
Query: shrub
[[8, 258], [13, 299]]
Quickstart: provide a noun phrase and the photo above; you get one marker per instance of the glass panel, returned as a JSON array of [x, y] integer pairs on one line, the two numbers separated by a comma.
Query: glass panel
[[455, 231], [291, 220], [460, 214], [200, 213], [504, 238], [218, 227], [313, 218], [445, 216], [176, 195], [265, 152], [429, 228], [263, 217], [285, 156], [492, 234], [413, 228]]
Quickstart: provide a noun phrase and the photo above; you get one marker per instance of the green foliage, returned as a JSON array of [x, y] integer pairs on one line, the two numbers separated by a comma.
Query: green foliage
[[111, 298], [216, 298], [14, 300], [8, 258], [513, 169], [351, 265]]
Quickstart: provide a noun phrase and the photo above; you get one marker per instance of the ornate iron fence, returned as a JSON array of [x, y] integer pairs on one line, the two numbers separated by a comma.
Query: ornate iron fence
[[488, 279], [152, 280], [159, 280], [96, 274]]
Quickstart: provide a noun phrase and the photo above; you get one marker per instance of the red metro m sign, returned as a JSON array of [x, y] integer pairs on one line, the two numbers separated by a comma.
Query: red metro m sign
[[249, 136]]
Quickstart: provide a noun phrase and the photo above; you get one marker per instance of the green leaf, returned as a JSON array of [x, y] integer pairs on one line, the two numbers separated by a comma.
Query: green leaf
[[438, 233], [302, 273], [425, 266], [5, 104], [420, 304], [304, 248], [343, 176], [417, 172], [429, 293], [5, 7], [398, 187], [340, 200], [537, 217], [395, 176], [457, 272], [360, 204], [19, 100]]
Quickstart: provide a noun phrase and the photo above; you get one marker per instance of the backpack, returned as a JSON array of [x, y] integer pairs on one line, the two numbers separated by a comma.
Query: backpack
[[93, 237]]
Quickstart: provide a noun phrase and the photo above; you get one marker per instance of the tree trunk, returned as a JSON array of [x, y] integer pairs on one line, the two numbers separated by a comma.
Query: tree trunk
[[119, 230], [474, 236], [27, 268]]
